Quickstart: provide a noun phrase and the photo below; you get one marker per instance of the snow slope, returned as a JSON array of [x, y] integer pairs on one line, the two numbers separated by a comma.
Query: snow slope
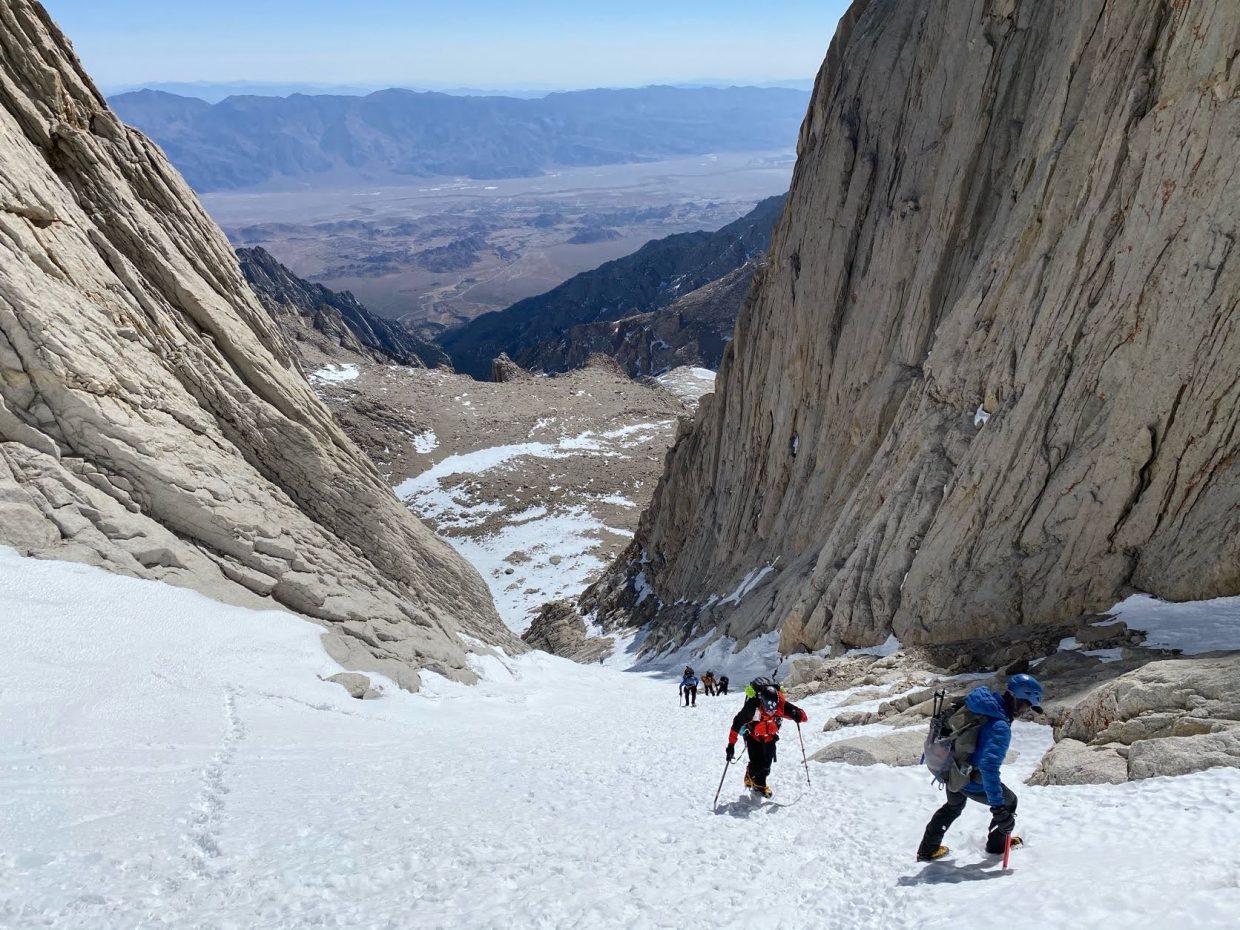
[[558, 544], [166, 761]]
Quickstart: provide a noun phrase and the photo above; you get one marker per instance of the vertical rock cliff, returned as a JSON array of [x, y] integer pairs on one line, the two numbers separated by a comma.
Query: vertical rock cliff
[[991, 375], [151, 418]]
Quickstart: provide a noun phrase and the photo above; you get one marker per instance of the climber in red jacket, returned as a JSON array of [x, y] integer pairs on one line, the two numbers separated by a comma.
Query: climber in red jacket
[[758, 722]]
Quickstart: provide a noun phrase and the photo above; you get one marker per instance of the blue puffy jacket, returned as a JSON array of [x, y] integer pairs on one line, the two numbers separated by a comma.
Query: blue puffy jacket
[[689, 681], [993, 740]]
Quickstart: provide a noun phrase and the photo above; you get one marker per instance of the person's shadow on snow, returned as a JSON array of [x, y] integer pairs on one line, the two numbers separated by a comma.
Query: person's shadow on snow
[[948, 873], [746, 805]]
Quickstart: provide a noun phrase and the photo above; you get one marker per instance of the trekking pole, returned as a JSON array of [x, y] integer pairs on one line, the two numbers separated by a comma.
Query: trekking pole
[[1007, 848], [804, 761], [726, 764]]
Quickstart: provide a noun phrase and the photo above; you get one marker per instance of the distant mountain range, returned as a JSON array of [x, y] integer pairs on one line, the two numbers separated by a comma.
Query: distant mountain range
[[246, 141], [215, 91], [536, 331]]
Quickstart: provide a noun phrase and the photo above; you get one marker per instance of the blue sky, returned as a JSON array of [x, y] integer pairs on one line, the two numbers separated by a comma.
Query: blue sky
[[479, 43]]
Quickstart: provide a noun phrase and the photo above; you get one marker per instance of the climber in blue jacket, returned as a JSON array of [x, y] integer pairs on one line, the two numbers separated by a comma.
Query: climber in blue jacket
[[1023, 695], [689, 686]]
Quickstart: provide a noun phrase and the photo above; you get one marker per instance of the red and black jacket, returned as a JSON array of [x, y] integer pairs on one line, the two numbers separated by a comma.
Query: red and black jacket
[[760, 724]]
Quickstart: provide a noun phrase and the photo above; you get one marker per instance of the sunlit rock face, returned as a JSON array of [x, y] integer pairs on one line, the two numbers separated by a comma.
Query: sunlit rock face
[[990, 375], [152, 419]]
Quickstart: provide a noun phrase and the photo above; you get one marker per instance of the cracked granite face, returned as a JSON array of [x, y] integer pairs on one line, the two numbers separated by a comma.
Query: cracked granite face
[[990, 375], [152, 419]]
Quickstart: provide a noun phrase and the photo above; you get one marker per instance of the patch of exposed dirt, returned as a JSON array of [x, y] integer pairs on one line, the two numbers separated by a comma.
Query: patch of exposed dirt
[[538, 481]]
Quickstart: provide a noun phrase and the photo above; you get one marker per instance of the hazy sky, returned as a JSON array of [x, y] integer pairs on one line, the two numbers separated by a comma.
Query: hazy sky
[[479, 43]]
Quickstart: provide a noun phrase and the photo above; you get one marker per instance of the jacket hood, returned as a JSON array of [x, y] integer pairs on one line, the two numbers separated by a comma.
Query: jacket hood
[[987, 703]]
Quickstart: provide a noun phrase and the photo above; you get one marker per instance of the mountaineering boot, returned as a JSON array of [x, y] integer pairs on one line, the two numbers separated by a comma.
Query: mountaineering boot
[[937, 853], [755, 787], [1012, 844]]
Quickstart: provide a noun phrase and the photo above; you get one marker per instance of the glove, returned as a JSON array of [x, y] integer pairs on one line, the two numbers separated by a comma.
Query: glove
[[1004, 821], [730, 751]]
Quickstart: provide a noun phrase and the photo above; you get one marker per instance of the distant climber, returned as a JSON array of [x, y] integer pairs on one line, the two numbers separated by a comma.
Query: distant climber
[[722, 686], [689, 686], [708, 683], [758, 721], [986, 717]]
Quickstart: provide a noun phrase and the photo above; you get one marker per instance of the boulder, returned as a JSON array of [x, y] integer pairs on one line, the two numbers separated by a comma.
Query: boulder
[[906, 701], [1071, 762], [899, 748], [357, 685], [851, 718], [810, 675], [504, 369], [1184, 754], [864, 696], [1144, 703], [1169, 717]]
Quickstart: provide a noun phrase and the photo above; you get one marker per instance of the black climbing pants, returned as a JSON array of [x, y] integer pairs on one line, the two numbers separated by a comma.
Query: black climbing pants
[[946, 815], [761, 755], [690, 692]]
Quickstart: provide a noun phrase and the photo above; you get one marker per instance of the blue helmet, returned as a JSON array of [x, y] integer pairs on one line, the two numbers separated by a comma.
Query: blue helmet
[[1026, 688]]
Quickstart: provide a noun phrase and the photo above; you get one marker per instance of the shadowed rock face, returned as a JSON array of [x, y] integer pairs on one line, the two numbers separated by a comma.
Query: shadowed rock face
[[692, 331], [649, 279], [559, 629], [152, 419], [1021, 209], [330, 320]]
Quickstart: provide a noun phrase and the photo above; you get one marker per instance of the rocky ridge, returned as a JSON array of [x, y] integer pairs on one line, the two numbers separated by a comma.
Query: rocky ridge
[[153, 420], [693, 331], [559, 630], [330, 320], [988, 379], [651, 278]]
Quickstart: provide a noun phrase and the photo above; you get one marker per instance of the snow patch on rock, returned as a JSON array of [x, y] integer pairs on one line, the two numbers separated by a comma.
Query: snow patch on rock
[[1193, 627], [334, 373], [688, 383], [748, 583]]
